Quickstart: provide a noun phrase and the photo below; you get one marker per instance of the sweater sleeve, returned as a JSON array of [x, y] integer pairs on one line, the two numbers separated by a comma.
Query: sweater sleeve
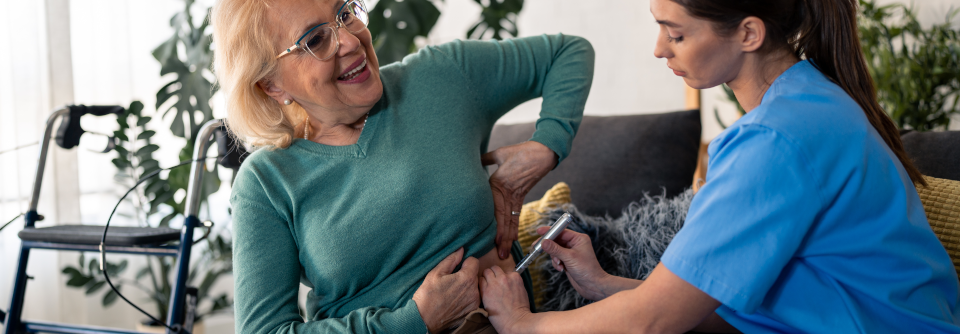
[[506, 73], [267, 272]]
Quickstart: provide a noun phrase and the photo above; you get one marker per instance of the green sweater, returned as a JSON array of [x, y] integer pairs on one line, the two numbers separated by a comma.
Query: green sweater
[[363, 224]]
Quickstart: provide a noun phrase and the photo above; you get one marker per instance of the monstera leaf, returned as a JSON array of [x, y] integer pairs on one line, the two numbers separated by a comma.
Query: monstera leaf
[[394, 25], [190, 90], [499, 17]]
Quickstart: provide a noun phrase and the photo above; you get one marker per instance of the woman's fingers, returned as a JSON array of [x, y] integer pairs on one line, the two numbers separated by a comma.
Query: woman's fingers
[[470, 267], [448, 264], [489, 158], [504, 297], [567, 237], [555, 250]]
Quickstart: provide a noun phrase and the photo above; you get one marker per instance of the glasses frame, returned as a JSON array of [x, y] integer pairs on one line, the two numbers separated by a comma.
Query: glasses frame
[[336, 36]]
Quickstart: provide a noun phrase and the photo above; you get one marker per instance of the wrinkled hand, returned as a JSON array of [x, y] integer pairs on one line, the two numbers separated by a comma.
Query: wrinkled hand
[[520, 167], [572, 253], [445, 297], [504, 298]]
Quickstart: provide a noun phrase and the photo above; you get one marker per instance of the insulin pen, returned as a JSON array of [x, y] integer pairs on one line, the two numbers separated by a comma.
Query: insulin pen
[[555, 230]]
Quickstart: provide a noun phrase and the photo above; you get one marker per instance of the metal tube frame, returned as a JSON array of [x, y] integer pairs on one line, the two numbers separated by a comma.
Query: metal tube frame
[[177, 297], [13, 323]]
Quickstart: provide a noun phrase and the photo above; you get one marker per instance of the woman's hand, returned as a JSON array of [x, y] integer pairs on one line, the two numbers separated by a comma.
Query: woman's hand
[[520, 167], [572, 253], [505, 299], [446, 297]]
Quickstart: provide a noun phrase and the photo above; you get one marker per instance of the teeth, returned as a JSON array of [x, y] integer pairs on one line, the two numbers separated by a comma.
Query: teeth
[[350, 75]]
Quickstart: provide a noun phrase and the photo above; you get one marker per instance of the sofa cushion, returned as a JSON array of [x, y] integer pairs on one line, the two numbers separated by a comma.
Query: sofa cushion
[[616, 159], [941, 202], [935, 154]]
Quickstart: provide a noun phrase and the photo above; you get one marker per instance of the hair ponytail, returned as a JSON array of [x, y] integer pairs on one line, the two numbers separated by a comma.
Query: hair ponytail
[[823, 31]]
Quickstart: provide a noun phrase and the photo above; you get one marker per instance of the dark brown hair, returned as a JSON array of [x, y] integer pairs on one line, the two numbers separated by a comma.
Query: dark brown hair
[[824, 31]]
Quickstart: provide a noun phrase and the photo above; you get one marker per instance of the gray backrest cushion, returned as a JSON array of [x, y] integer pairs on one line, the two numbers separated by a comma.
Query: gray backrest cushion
[[616, 159], [935, 154]]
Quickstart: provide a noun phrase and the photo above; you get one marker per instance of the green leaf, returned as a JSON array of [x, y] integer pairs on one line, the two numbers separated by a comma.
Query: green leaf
[[165, 221], [146, 152], [149, 165], [110, 297], [143, 120], [121, 163], [78, 281], [146, 134], [166, 54], [408, 19], [121, 135], [93, 266], [115, 269], [122, 151], [143, 272], [492, 19], [73, 272], [136, 107], [93, 288]]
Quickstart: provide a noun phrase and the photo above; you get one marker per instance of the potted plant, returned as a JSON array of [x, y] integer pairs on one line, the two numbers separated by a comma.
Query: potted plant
[[916, 70]]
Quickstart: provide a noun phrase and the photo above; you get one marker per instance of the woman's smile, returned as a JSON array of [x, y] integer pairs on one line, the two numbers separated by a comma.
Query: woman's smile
[[355, 73]]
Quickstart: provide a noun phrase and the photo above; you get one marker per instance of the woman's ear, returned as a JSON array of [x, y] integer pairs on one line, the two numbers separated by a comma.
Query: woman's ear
[[273, 91], [751, 32]]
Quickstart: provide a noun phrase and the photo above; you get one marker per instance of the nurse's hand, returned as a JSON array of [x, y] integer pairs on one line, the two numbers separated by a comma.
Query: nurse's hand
[[445, 297], [572, 253], [520, 167], [505, 299]]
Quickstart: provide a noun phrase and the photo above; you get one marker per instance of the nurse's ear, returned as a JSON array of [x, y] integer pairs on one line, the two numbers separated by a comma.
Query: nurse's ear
[[751, 33]]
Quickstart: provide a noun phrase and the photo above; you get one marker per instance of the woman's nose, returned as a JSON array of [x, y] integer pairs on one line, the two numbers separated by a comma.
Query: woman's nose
[[348, 42], [660, 50]]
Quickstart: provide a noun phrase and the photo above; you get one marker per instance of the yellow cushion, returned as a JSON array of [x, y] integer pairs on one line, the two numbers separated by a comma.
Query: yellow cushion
[[529, 216], [941, 201]]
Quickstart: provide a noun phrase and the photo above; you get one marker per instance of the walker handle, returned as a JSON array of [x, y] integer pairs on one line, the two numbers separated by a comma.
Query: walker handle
[[68, 135]]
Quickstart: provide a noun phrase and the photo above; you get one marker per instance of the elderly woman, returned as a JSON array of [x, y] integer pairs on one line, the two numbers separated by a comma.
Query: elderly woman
[[369, 185]]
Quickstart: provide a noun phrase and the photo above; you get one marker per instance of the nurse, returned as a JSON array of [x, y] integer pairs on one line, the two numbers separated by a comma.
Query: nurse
[[809, 220]]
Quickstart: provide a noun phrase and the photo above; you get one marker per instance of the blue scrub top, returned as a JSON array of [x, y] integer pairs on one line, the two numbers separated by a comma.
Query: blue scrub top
[[809, 223]]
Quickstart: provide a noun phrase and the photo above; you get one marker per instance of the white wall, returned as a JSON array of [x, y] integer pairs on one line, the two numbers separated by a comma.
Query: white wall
[[628, 79], [34, 80]]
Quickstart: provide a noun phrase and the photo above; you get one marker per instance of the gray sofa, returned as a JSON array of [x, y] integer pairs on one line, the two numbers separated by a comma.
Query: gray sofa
[[616, 159]]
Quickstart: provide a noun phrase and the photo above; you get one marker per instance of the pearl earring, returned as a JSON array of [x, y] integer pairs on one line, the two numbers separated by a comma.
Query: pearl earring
[[287, 102]]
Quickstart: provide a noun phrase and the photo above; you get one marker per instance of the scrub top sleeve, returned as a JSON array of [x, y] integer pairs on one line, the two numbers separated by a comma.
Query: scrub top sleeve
[[749, 218]]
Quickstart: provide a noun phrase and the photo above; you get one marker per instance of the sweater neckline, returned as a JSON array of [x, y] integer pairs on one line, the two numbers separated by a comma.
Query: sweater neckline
[[356, 150]]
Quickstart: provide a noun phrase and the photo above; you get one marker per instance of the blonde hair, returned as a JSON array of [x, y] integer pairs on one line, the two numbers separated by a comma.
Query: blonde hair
[[244, 55]]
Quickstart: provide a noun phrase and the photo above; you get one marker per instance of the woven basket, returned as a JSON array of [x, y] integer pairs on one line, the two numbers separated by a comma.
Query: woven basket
[[941, 201]]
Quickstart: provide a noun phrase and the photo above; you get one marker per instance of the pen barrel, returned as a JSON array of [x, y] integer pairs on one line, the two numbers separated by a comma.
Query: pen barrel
[[554, 231]]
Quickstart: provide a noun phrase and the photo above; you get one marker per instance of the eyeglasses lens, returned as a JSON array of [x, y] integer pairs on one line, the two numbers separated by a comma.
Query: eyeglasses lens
[[322, 41], [354, 16]]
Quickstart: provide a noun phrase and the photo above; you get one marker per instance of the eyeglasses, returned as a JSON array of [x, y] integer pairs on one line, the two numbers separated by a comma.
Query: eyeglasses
[[322, 41]]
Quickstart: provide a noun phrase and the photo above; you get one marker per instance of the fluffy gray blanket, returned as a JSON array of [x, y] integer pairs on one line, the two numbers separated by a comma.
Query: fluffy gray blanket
[[628, 246]]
